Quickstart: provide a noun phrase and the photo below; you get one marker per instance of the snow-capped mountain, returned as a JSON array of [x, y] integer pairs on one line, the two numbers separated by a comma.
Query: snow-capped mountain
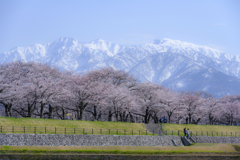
[[172, 63]]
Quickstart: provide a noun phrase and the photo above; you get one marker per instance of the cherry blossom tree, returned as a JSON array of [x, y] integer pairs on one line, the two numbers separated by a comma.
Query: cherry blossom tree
[[193, 104], [11, 79], [231, 108], [147, 99], [170, 102], [85, 90], [121, 100], [99, 101], [29, 88], [213, 109], [115, 77], [118, 96], [37, 88]]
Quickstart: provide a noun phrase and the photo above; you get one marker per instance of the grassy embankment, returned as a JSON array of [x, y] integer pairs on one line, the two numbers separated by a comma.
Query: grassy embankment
[[196, 148], [205, 130], [96, 127], [81, 127]]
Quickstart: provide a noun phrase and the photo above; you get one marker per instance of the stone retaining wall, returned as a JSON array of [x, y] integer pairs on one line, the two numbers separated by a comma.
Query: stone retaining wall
[[208, 139], [85, 140], [101, 140]]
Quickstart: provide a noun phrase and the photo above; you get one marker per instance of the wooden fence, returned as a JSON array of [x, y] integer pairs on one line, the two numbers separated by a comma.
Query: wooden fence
[[58, 130]]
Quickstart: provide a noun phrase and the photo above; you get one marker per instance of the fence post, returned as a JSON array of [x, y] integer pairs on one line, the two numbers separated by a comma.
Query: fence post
[[101, 131]]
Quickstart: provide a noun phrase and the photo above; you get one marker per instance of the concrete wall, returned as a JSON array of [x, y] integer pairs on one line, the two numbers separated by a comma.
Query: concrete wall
[[85, 140]]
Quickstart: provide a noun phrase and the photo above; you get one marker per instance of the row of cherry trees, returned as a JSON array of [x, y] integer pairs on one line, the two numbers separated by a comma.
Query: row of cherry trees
[[35, 89]]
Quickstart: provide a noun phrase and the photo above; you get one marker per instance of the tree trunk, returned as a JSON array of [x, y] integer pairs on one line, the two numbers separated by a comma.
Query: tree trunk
[[95, 112], [99, 116], [197, 121], [50, 112], [63, 114], [210, 119], [116, 114], [81, 108], [132, 120], [81, 114], [109, 115], [41, 110], [146, 118], [29, 111], [189, 118], [169, 116], [8, 109], [121, 117], [155, 118]]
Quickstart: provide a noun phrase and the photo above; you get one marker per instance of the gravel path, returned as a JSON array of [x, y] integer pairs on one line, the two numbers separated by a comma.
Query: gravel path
[[154, 128]]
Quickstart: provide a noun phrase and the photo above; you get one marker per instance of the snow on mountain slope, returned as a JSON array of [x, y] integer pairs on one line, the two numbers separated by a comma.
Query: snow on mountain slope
[[169, 62], [214, 82]]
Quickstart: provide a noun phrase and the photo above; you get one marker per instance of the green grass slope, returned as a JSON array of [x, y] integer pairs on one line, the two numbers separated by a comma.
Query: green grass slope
[[32, 122], [97, 127], [205, 130], [49, 126], [196, 148]]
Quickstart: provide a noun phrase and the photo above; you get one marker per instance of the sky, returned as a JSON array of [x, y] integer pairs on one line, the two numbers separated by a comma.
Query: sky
[[214, 23]]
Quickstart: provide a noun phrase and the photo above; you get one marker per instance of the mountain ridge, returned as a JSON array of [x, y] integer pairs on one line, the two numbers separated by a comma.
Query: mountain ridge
[[161, 61]]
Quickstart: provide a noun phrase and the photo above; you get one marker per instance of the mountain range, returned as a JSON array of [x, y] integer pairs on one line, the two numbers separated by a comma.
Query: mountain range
[[181, 66]]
